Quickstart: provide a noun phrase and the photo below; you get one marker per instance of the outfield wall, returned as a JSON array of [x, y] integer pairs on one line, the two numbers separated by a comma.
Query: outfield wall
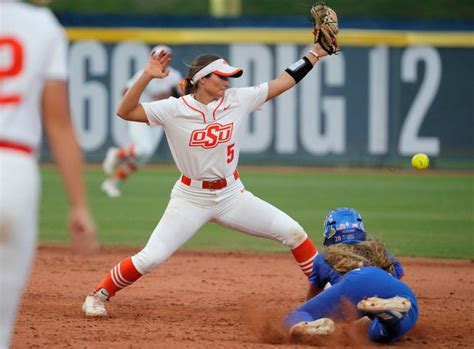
[[387, 95]]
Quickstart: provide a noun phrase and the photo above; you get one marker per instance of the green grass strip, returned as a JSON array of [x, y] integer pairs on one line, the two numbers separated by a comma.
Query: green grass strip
[[417, 213]]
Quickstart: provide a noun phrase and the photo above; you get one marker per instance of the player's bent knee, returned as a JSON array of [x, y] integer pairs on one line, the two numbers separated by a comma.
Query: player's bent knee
[[146, 261], [296, 236], [146, 264], [288, 231]]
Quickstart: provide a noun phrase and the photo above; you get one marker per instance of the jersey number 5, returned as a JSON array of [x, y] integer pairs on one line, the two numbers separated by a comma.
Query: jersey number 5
[[230, 153], [11, 49]]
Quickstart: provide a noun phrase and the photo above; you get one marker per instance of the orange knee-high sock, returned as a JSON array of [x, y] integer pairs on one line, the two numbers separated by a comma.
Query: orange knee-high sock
[[305, 255], [121, 276]]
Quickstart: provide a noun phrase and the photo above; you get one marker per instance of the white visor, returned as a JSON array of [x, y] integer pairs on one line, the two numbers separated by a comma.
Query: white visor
[[218, 67]]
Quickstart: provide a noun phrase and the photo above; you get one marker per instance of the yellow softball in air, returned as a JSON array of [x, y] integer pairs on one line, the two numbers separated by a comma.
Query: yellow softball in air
[[420, 161]]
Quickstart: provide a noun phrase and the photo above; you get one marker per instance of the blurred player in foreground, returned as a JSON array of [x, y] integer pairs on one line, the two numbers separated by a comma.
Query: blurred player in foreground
[[364, 281], [33, 82], [203, 129], [120, 163]]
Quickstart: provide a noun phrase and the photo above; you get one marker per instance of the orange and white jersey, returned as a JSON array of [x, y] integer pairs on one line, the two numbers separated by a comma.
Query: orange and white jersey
[[32, 50], [205, 139], [157, 87]]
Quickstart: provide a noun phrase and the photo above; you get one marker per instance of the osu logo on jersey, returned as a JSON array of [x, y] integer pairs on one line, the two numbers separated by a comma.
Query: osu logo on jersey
[[211, 136]]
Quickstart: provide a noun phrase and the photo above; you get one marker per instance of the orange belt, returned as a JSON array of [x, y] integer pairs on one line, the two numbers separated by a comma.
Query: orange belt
[[16, 146], [217, 184]]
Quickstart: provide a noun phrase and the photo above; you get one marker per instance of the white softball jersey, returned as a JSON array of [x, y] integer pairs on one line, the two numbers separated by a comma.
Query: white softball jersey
[[32, 49], [205, 139]]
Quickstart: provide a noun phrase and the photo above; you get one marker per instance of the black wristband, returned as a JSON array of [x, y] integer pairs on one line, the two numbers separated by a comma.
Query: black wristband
[[299, 69]]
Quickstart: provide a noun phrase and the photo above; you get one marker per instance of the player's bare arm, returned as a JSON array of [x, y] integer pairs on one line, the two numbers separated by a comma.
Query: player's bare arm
[[156, 68], [285, 81], [67, 155]]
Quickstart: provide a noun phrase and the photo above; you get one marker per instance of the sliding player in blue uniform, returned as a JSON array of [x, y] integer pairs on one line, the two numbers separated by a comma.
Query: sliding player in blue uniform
[[361, 274]]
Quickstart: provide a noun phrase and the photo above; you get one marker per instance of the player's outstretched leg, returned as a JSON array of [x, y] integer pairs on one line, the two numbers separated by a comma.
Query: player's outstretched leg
[[265, 220], [122, 275]]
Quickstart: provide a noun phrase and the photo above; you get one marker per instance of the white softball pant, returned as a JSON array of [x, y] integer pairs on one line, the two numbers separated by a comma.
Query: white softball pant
[[145, 139], [19, 195], [233, 207]]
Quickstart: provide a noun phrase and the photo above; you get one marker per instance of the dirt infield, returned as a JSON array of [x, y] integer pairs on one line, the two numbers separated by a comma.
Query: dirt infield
[[217, 300]]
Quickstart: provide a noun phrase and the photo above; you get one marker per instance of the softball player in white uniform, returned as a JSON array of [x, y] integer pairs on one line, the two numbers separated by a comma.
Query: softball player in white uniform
[[33, 77], [203, 129], [120, 163]]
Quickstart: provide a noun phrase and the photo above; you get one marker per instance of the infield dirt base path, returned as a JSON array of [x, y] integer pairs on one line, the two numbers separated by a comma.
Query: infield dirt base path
[[218, 300]]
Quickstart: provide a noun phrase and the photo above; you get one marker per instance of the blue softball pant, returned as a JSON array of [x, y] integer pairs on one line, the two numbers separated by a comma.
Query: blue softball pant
[[354, 286]]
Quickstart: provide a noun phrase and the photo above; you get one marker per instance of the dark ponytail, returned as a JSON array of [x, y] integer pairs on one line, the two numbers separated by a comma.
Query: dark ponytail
[[187, 85]]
